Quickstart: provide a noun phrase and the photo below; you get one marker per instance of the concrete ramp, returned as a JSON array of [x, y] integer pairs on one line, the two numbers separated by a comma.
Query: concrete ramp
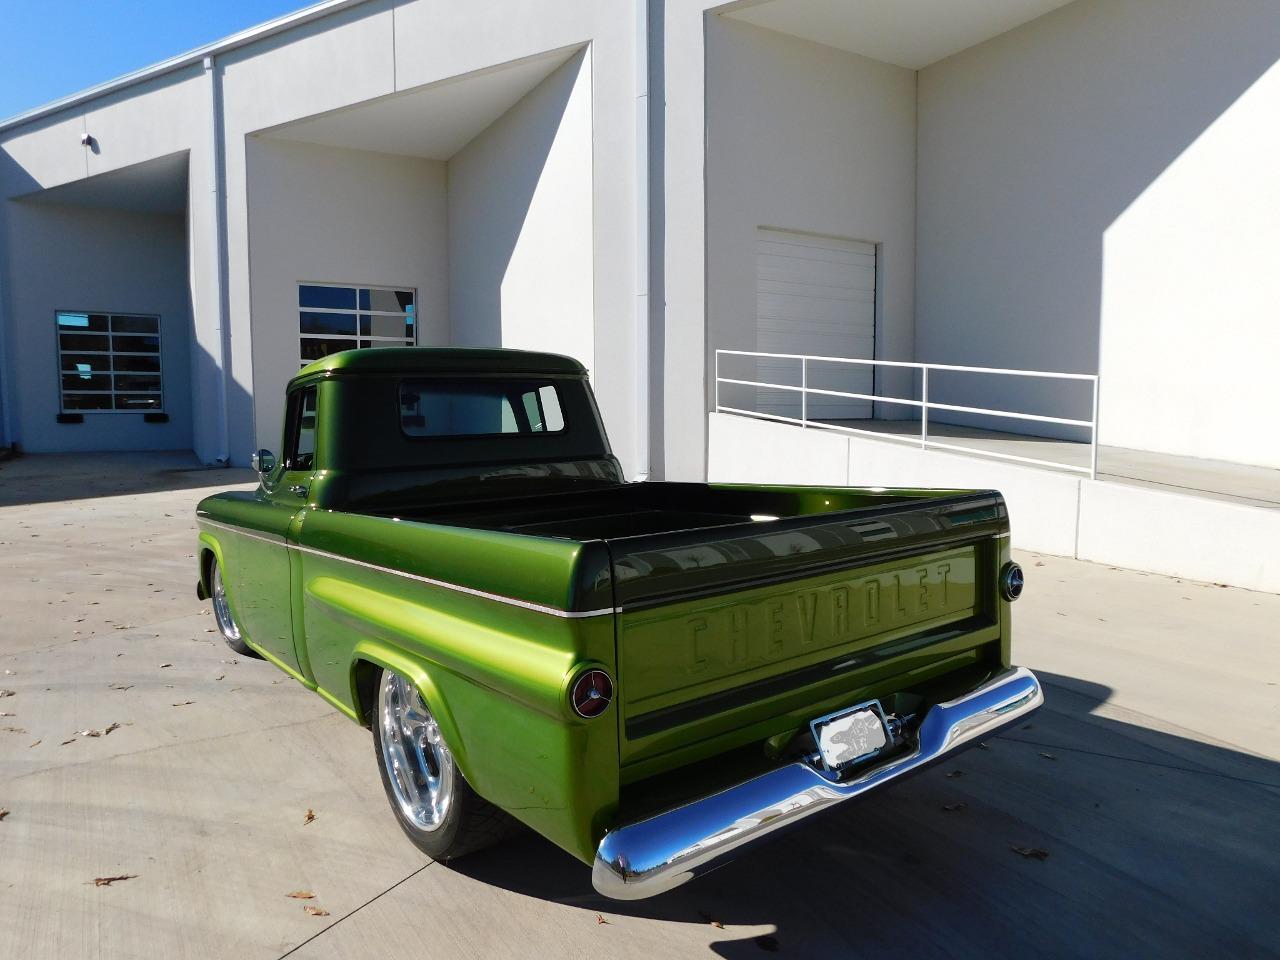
[[1206, 536]]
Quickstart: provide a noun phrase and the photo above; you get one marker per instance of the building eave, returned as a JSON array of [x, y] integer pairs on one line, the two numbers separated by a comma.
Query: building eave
[[244, 37]]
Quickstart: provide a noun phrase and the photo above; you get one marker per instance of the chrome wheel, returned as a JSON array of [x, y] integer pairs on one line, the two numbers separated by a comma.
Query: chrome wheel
[[418, 764], [221, 608]]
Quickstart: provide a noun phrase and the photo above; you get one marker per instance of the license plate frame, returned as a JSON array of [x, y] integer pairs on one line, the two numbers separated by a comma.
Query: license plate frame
[[854, 723]]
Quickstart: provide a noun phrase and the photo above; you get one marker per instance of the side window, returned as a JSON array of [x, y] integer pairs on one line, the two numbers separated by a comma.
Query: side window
[[301, 454]]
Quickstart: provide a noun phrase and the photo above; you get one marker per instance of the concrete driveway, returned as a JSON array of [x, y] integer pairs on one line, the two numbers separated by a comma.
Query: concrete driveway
[[1150, 780]]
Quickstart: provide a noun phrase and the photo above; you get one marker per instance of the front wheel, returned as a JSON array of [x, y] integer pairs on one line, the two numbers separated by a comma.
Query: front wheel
[[227, 625], [435, 806]]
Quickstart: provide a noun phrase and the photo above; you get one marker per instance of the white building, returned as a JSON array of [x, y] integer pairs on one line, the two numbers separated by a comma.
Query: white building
[[1086, 186]]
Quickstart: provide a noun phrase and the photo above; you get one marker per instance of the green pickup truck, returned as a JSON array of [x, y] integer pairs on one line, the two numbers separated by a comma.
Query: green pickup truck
[[653, 676]]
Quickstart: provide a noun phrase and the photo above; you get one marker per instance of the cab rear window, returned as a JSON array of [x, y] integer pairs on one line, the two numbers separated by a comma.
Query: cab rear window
[[479, 408]]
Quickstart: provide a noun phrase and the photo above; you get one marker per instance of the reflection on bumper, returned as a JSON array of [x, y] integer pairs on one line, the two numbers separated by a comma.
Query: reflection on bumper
[[652, 856]]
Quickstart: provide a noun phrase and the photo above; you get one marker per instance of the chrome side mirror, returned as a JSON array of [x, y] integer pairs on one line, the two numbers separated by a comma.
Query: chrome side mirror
[[264, 461]]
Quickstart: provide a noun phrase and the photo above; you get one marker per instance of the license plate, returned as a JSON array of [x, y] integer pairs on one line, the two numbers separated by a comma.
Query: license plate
[[850, 735]]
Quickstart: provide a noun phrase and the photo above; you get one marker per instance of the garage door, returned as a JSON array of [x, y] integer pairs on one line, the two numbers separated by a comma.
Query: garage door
[[816, 296]]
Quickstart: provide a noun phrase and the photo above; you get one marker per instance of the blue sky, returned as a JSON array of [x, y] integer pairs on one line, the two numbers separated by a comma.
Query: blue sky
[[56, 47]]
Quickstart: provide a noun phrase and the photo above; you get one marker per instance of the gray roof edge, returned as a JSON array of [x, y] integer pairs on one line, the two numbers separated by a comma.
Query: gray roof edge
[[261, 31]]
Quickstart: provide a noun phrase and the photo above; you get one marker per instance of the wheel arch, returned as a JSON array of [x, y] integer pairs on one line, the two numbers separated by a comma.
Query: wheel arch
[[368, 662]]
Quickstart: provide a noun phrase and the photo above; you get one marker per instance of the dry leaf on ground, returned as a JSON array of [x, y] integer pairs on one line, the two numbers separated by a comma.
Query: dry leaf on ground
[[600, 919], [1031, 853], [3, 813], [316, 911], [184, 703], [1048, 756], [301, 895], [13, 729], [163, 665], [108, 881], [7, 693], [311, 815], [36, 744]]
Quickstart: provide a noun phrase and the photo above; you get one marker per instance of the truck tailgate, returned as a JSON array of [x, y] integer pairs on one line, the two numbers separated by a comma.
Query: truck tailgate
[[731, 635]]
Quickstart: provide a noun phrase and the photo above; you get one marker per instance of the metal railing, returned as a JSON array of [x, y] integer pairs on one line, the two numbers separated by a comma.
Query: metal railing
[[924, 404]]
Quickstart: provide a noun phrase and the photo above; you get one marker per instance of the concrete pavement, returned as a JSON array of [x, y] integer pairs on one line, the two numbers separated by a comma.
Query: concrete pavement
[[1150, 779]]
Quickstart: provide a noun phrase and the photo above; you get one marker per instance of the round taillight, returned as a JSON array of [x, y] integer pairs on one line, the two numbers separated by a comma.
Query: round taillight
[[1011, 581], [591, 693]]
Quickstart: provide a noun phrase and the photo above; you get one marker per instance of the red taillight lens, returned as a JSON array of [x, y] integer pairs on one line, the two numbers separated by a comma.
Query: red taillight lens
[[591, 694]]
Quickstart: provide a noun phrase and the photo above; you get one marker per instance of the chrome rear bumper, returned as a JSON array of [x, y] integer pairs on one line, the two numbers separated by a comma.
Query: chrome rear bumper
[[652, 856]]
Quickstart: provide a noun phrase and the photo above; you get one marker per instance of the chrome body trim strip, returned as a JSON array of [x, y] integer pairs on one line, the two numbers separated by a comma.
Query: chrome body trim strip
[[651, 856], [430, 581]]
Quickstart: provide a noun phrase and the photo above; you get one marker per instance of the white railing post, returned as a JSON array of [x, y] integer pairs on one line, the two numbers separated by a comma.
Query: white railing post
[[804, 391], [717, 381], [1093, 435], [924, 408]]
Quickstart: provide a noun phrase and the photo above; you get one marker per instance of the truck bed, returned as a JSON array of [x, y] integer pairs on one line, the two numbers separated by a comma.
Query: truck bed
[[743, 611]]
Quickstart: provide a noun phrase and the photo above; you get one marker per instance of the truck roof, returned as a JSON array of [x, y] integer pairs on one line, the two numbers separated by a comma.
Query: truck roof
[[436, 360]]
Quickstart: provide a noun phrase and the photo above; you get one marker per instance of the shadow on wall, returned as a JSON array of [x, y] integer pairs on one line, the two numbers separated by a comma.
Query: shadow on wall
[[520, 231], [1032, 147], [1157, 845]]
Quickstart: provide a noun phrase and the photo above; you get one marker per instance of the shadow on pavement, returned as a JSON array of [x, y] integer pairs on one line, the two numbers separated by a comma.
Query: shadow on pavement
[[50, 477], [1157, 845]]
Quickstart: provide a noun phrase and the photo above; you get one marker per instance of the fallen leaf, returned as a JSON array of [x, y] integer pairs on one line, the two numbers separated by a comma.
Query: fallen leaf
[[7, 693], [311, 815], [108, 881], [1048, 756], [708, 918], [65, 742], [3, 813], [983, 746], [315, 911], [222, 677], [184, 703], [301, 895], [121, 686], [13, 729], [600, 919], [163, 665], [1031, 853], [954, 773], [36, 744], [954, 807], [5, 713]]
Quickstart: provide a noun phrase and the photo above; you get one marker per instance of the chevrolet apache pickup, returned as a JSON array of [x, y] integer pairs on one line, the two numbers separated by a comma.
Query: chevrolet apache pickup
[[654, 676]]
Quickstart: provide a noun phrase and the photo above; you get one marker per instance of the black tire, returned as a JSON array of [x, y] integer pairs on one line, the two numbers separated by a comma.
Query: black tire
[[468, 823], [223, 616]]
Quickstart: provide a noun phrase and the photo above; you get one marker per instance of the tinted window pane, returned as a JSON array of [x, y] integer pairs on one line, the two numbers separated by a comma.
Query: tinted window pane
[[86, 401], [461, 408], [85, 381], [85, 363], [333, 298], [84, 341], [137, 364], [387, 327], [304, 454], [364, 299], [137, 381], [388, 301], [131, 344], [315, 349], [122, 324], [85, 322], [126, 401], [340, 323]]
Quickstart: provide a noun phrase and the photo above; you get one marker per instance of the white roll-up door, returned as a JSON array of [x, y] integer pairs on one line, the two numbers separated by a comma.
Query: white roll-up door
[[817, 296]]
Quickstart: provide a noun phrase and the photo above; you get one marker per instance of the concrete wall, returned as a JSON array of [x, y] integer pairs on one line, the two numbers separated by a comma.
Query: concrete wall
[[1097, 193], [521, 269], [792, 135], [331, 215], [370, 52], [77, 258], [1141, 527]]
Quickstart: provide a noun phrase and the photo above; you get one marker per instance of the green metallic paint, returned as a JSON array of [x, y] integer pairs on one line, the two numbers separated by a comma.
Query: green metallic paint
[[395, 559]]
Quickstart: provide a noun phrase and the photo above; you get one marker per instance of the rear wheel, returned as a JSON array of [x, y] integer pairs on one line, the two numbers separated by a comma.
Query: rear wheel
[[436, 807], [226, 621]]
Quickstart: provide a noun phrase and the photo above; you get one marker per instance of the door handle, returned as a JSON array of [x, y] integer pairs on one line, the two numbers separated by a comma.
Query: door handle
[[298, 490]]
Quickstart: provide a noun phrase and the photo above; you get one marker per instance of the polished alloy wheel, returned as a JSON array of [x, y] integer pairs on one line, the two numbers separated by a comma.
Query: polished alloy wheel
[[418, 763], [221, 608]]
